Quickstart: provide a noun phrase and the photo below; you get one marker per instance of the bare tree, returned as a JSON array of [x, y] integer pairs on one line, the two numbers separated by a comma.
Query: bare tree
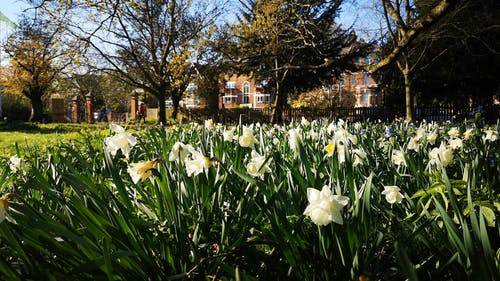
[[404, 24], [146, 43]]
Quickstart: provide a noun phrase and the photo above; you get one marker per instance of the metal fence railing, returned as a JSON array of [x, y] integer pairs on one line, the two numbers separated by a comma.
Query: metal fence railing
[[429, 113]]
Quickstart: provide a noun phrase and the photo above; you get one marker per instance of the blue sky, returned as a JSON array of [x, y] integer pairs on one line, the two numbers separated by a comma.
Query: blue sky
[[352, 13], [12, 9]]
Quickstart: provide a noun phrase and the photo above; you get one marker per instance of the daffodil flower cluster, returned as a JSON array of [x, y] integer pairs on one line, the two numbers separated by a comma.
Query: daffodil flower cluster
[[124, 142]]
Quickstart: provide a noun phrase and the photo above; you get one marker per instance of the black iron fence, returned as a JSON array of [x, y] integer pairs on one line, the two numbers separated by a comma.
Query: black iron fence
[[429, 113]]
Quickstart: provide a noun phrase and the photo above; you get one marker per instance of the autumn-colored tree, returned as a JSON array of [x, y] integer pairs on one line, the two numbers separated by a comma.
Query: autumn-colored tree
[[293, 45], [180, 70], [324, 97], [36, 59]]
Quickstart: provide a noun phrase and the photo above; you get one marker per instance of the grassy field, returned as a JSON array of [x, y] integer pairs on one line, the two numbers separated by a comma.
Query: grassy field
[[38, 136]]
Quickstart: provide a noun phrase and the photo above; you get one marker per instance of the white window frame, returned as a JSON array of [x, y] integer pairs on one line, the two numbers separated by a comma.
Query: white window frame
[[246, 92], [262, 98], [231, 98]]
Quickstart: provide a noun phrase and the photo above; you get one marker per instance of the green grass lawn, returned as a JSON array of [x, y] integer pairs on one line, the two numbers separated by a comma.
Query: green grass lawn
[[38, 136]]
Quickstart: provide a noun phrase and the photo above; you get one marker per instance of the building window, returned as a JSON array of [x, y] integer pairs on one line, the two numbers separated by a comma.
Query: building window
[[263, 98], [246, 91], [365, 99], [366, 78], [354, 79], [230, 85], [230, 99]]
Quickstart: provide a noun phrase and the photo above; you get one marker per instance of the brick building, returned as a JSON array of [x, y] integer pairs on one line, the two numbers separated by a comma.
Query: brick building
[[243, 91]]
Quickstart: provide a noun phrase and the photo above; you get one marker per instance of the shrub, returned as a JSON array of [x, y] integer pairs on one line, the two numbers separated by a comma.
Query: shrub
[[15, 107]]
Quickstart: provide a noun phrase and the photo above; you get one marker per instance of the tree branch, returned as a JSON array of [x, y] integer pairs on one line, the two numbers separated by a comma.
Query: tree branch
[[420, 25]]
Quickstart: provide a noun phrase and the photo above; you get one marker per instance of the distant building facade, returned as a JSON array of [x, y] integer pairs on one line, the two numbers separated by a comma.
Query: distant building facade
[[243, 91], [238, 91], [362, 86], [191, 99]]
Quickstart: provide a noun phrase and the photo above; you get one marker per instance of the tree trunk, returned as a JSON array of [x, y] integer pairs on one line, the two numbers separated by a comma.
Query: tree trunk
[[277, 117], [408, 95], [36, 109], [162, 118], [279, 104], [176, 98]]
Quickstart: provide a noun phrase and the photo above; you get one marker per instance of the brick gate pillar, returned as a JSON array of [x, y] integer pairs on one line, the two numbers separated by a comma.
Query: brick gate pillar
[[89, 108], [75, 109], [134, 103]]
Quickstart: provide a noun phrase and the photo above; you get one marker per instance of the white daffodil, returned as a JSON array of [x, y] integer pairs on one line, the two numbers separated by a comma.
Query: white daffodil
[[341, 153], [257, 166], [209, 124], [398, 157], [121, 140], [294, 138], [340, 122], [490, 135], [341, 135], [468, 134], [116, 128], [332, 127], [196, 163], [392, 194], [325, 207], [454, 132], [420, 133], [304, 122], [15, 163], [247, 138], [432, 137], [141, 170], [179, 151], [313, 135], [414, 144], [228, 135], [440, 156], [359, 156], [455, 143]]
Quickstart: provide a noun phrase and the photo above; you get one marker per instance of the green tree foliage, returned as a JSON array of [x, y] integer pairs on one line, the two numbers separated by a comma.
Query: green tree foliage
[[106, 90], [292, 45]]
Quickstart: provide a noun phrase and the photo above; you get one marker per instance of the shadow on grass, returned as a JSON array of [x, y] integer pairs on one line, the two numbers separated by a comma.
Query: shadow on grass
[[50, 128]]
